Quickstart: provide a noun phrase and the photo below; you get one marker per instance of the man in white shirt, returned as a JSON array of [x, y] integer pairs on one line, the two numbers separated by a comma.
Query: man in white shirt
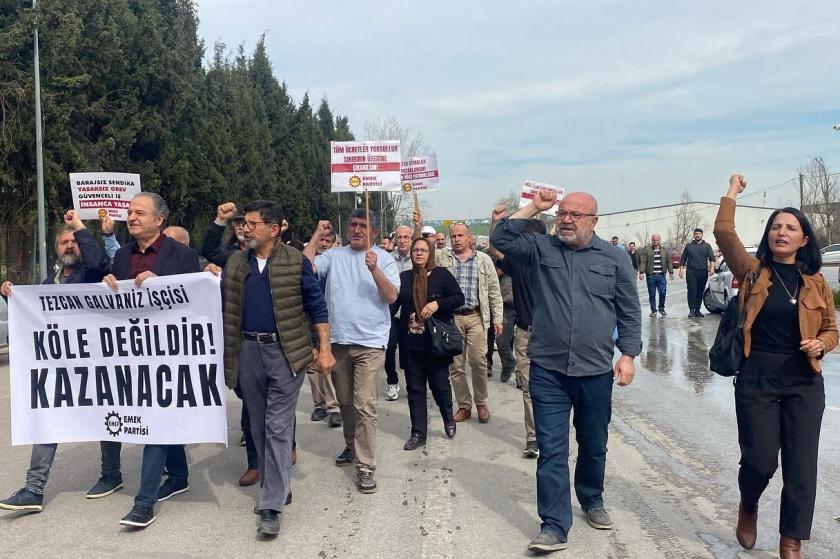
[[362, 281]]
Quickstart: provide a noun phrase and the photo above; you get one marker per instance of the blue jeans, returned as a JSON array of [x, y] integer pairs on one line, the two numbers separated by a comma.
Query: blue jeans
[[554, 396], [155, 457], [657, 282]]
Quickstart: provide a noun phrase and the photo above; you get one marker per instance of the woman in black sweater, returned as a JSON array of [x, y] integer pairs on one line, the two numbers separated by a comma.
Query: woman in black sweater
[[425, 290]]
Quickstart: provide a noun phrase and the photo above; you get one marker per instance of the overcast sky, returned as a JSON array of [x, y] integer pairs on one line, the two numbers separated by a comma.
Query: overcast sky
[[631, 101]]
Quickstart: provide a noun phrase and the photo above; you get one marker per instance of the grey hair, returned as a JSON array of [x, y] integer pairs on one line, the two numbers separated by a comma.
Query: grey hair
[[160, 207], [370, 217]]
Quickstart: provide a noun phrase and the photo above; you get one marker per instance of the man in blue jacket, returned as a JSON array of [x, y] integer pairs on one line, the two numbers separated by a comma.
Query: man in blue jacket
[[80, 260], [151, 253]]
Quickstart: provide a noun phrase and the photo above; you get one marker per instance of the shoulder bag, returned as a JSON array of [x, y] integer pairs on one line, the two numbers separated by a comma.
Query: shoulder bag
[[727, 352], [444, 338]]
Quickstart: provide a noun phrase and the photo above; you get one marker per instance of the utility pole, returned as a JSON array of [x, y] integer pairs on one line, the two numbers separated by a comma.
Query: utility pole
[[39, 165], [801, 191]]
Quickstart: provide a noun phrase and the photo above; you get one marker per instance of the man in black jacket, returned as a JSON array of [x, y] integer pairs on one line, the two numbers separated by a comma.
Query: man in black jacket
[[214, 249], [149, 254], [80, 260], [699, 259]]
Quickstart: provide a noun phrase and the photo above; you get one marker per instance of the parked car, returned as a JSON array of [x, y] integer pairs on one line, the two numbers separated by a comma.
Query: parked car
[[831, 254], [4, 323], [722, 287]]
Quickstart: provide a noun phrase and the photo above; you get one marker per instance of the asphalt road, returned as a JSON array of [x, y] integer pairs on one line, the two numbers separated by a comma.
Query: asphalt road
[[671, 480]]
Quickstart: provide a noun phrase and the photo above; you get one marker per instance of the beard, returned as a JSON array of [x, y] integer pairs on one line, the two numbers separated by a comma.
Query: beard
[[252, 244], [69, 260]]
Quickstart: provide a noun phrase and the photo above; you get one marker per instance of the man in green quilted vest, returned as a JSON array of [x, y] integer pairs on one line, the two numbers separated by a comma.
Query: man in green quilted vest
[[271, 296]]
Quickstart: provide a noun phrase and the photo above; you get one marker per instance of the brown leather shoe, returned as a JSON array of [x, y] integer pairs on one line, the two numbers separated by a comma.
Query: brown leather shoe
[[789, 548], [483, 413], [250, 477], [462, 414], [746, 531]]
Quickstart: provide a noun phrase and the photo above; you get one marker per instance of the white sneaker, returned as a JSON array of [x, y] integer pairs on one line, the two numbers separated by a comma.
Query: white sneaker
[[393, 392]]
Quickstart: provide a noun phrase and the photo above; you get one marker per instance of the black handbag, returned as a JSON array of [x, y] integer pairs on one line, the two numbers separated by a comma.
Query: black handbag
[[726, 355], [444, 338]]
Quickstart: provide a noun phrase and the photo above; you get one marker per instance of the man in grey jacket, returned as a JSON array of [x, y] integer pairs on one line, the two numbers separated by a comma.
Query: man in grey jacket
[[476, 275], [586, 288]]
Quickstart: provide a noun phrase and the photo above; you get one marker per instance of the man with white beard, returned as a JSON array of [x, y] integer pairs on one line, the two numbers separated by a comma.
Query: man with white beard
[[80, 260]]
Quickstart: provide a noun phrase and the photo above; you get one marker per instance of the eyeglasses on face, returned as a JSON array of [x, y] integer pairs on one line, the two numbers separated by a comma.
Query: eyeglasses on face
[[420, 250], [574, 216], [253, 224]]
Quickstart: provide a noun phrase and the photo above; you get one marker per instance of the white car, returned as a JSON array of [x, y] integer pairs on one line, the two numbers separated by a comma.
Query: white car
[[4, 323], [831, 254], [722, 287]]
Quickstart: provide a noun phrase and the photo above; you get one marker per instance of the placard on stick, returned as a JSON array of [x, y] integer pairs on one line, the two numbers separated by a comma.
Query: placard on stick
[[420, 174], [530, 189], [110, 192], [360, 166]]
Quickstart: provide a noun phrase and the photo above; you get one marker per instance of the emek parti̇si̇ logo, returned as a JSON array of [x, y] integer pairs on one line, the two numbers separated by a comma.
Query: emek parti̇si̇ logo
[[355, 181], [113, 423]]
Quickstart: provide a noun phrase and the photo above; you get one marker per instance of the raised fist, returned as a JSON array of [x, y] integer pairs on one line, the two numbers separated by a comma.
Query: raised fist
[[226, 211], [737, 183], [71, 218], [499, 213], [544, 199]]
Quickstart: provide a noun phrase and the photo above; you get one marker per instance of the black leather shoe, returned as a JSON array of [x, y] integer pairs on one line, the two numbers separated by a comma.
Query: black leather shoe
[[449, 429], [414, 442]]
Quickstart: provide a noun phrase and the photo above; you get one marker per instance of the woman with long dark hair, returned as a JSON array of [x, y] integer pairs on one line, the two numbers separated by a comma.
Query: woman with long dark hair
[[425, 290], [789, 325]]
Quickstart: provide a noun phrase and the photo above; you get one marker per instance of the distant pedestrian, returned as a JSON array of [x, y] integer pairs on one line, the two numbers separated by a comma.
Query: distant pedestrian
[[440, 241], [585, 288], [790, 324], [697, 263], [634, 255], [654, 263]]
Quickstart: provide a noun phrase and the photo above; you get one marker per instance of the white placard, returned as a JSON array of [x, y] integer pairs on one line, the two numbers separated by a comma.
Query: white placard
[[360, 166], [109, 192], [420, 174], [140, 365], [530, 188]]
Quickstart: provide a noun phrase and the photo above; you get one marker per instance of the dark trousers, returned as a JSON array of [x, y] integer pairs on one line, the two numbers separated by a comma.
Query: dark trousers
[[491, 344], [43, 456], [779, 404], [391, 353], [504, 343], [554, 395], [656, 283], [695, 283], [420, 369], [155, 457], [245, 425]]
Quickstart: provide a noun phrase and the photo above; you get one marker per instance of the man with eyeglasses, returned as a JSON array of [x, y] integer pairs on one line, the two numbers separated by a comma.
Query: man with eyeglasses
[[476, 275], [271, 296], [586, 288], [402, 258], [362, 281]]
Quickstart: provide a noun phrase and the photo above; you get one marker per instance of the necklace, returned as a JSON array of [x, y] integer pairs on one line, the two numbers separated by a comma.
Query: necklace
[[792, 298]]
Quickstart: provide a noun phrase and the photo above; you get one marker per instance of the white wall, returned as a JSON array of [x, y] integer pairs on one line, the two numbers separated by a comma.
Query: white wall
[[639, 225]]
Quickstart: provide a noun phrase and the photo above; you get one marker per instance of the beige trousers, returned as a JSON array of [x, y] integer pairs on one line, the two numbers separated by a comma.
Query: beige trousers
[[475, 351], [323, 392], [355, 377], [523, 365]]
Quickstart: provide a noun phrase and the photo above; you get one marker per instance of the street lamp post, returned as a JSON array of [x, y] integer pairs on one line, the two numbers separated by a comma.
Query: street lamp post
[[39, 165]]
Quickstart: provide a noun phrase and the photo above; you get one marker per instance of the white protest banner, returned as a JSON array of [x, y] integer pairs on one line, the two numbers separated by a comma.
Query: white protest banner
[[139, 365], [360, 166], [530, 188], [420, 174], [96, 193]]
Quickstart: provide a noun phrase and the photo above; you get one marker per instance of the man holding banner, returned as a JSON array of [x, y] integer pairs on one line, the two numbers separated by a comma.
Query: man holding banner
[[80, 260], [151, 254], [271, 295]]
